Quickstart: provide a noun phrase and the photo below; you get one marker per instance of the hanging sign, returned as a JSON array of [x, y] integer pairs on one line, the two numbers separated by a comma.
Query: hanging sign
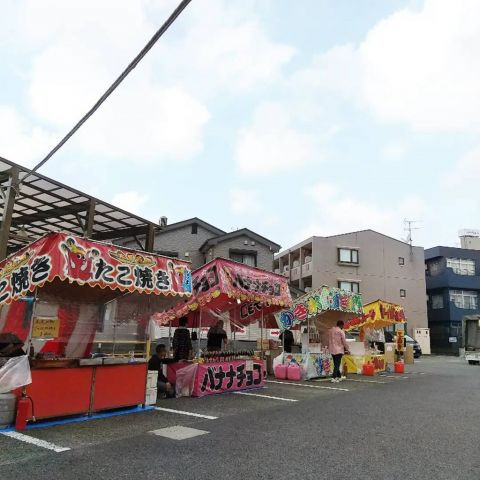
[[45, 327]]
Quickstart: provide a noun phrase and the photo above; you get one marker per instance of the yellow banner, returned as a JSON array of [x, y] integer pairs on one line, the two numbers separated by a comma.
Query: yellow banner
[[45, 327]]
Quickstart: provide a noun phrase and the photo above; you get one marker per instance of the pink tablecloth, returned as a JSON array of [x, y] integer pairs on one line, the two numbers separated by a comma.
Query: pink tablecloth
[[210, 378]]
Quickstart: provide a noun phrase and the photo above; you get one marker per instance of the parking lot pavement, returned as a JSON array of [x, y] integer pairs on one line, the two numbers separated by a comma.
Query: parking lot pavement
[[186, 412]]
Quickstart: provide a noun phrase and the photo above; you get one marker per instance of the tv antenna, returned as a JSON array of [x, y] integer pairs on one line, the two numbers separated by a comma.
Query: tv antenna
[[409, 226]]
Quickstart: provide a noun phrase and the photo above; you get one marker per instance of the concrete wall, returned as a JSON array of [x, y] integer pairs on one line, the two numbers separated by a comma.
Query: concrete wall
[[378, 272], [264, 255]]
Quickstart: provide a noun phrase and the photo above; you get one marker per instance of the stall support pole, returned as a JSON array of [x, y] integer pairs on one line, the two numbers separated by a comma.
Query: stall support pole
[[169, 337], [200, 332], [261, 336]]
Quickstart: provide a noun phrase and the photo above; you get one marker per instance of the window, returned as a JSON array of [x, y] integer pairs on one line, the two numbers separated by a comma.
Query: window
[[349, 286], [461, 266], [401, 260], [248, 258], [403, 293], [347, 255], [194, 228], [437, 302], [434, 267], [464, 299]]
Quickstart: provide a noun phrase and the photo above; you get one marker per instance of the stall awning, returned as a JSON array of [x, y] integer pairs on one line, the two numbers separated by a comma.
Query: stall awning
[[378, 314], [62, 259], [324, 301], [227, 286]]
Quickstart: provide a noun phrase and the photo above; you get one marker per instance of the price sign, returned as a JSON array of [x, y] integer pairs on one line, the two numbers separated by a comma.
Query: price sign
[[45, 327]]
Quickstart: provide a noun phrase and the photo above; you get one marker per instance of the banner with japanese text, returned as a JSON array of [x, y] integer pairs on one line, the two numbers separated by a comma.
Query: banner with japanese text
[[86, 262], [223, 285], [378, 314], [317, 302]]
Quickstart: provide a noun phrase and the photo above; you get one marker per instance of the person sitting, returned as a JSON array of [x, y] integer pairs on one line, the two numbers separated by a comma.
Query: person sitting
[[156, 363], [216, 335], [182, 343]]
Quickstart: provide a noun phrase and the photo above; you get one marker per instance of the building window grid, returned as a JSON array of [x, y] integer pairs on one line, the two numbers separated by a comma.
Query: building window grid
[[348, 255], [403, 293], [401, 260], [461, 266], [464, 299], [349, 286]]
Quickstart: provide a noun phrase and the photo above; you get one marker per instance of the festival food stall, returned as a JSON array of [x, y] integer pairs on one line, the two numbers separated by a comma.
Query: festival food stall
[[242, 294], [316, 312], [69, 300], [376, 316]]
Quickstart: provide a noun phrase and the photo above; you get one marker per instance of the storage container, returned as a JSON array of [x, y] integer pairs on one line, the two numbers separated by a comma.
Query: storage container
[[294, 372], [7, 409], [281, 372], [399, 367], [368, 369]]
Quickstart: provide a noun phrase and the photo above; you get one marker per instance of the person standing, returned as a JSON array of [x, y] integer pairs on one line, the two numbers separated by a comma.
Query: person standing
[[182, 343], [286, 337], [337, 345], [216, 335]]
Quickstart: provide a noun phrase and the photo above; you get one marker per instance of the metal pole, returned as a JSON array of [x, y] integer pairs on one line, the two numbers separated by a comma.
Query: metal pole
[[11, 193], [200, 330], [261, 335]]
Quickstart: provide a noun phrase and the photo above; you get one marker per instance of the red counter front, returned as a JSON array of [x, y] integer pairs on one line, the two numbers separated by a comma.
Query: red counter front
[[217, 377], [58, 392]]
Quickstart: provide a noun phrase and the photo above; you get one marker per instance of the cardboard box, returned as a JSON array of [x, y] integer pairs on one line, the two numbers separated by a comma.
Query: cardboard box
[[269, 359], [152, 379], [408, 354], [389, 353], [266, 344], [151, 396]]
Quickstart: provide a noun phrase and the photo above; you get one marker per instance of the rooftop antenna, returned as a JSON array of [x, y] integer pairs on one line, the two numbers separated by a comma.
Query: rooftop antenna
[[408, 226]]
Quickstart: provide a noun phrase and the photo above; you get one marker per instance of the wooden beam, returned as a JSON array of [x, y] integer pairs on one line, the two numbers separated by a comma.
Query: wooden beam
[[90, 219], [150, 237], [10, 195]]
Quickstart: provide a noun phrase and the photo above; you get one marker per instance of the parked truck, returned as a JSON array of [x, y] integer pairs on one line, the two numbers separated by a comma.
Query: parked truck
[[471, 338]]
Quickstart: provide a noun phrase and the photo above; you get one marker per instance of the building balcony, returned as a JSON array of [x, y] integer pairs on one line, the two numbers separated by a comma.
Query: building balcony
[[307, 269], [295, 273]]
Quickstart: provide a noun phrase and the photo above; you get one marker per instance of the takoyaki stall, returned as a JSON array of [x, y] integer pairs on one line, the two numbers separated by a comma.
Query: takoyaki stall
[[65, 298]]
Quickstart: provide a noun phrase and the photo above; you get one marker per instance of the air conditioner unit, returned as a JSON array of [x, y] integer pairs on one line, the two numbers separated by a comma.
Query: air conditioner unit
[[296, 263], [187, 254], [286, 268], [308, 259]]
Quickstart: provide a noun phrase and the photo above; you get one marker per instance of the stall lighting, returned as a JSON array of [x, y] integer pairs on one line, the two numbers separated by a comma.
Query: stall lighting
[[239, 301]]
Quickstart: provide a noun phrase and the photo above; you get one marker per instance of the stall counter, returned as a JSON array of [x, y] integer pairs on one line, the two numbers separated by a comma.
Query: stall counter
[[354, 363], [200, 379], [58, 392]]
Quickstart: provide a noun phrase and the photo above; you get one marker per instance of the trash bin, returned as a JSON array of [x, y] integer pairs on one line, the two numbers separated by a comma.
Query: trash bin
[[7, 409]]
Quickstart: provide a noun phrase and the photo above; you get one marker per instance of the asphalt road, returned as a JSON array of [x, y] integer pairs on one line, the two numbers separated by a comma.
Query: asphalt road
[[422, 425]]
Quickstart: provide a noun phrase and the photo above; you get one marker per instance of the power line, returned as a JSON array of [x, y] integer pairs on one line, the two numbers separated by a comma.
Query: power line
[[181, 6]]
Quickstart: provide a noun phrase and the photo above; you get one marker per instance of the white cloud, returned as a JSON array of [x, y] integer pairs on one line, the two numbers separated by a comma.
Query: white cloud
[[336, 212], [224, 45], [394, 151], [130, 201], [21, 143], [418, 67], [271, 144], [243, 201]]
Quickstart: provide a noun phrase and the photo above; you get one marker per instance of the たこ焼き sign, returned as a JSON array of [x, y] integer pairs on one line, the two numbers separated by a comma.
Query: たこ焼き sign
[[45, 327]]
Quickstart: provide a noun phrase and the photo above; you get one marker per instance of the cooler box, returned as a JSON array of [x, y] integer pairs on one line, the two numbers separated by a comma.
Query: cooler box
[[281, 372], [294, 372]]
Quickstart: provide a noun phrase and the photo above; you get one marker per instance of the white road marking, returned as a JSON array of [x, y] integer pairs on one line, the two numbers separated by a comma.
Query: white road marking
[[391, 376], [363, 381], [266, 396], [308, 386], [35, 441], [181, 412], [179, 432]]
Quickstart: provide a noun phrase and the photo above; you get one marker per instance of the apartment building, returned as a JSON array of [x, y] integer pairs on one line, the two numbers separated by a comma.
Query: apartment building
[[199, 242], [453, 288], [368, 262]]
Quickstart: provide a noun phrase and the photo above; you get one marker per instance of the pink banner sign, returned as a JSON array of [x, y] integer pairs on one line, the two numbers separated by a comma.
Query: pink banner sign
[[230, 376]]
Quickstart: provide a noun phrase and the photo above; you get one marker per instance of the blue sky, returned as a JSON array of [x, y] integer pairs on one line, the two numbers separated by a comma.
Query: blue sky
[[290, 118]]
